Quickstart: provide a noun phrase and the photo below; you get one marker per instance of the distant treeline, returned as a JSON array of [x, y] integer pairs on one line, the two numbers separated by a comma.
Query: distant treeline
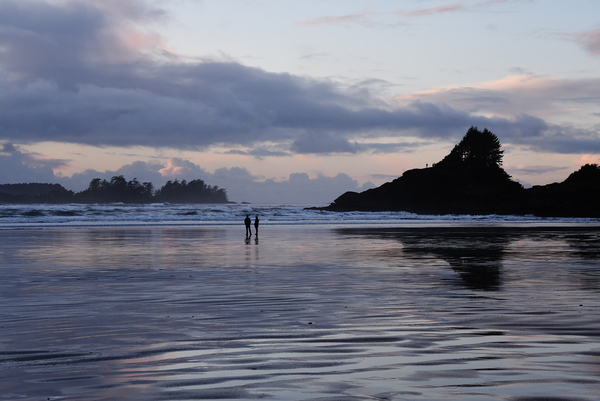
[[118, 189]]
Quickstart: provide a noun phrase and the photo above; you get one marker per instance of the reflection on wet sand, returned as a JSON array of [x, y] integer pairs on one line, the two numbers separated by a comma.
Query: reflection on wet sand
[[355, 313], [474, 254]]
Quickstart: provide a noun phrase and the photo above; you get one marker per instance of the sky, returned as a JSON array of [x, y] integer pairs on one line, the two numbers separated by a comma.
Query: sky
[[292, 101]]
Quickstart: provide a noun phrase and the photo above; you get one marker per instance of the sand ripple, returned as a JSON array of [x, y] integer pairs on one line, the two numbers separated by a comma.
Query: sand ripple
[[315, 314]]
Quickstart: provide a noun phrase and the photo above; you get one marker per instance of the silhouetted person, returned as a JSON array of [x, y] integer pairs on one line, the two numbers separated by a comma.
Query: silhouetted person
[[247, 221], [256, 224]]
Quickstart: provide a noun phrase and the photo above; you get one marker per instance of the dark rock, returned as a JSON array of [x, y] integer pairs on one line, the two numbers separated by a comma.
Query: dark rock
[[470, 180]]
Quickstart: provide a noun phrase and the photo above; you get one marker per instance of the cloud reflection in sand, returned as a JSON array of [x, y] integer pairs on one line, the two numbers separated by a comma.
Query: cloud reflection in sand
[[345, 313]]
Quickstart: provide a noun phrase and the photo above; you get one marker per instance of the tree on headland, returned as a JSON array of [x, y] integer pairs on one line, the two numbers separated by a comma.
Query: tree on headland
[[469, 180], [34, 193], [477, 159], [194, 191], [118, 189], [587, 173], [477, 149]]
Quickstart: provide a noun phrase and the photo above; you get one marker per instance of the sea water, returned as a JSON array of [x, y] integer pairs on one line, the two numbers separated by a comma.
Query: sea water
[[12, 215]]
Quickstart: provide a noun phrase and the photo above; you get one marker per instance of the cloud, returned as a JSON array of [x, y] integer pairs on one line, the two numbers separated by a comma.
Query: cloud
[[179, 168], [18, 167], [33, 160], [71, 73], [8, 148], [535, 170], [259, 153], [358, 17], [240, 184], [433, 10], [453, 7], [74, 42], [317, 142], [529, 94], [589, 40], [299, 188], [517, 108], [384, 176]]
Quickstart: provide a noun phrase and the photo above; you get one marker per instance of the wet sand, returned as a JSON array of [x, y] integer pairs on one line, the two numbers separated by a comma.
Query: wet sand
[[305, 313]]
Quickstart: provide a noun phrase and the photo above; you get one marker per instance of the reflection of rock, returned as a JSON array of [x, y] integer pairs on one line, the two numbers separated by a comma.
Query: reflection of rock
[[475, 256], [479, 270], [585, 245], [474, 253]]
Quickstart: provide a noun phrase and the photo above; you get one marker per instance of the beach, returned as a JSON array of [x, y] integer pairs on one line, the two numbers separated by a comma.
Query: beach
[[321, 312]]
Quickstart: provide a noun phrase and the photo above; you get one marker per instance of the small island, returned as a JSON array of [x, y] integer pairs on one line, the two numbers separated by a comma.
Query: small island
[[471, 180], [118, 189]]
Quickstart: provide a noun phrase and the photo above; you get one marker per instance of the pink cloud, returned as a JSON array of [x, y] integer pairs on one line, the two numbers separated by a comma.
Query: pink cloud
[[588, 159], [335, 19], [179, 168], [433, 10], [543, 97], [460, 6]]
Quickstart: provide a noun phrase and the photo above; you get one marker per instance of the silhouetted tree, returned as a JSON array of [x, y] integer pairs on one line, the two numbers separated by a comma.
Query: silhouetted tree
[[195, 191], [589, 173], [118, 190], [477, 149], [35, 193]]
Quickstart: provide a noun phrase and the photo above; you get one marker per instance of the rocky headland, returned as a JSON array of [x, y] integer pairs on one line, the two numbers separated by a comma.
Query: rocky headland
[[470, 180]]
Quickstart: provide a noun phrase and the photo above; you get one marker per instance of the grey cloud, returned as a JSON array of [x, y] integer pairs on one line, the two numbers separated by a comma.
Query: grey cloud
[[17, 167], [143, 171], [67, 75], [368, 185], [569, 145], [384, 176], [240, 184], [259, 152], [299, 188], [589, 40], [525, 94], [402, 147], [233, 174], [33, 159], [316, 142], [535, 170], [8, 147], [536, 95], [236, 152]]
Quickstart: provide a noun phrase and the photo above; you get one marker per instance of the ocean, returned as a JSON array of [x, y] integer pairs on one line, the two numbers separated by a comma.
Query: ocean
[[173, 302], [43, 215]]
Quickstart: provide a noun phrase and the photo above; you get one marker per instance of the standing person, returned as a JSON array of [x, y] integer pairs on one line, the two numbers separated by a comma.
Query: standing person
[[256, 224], [247, 222]]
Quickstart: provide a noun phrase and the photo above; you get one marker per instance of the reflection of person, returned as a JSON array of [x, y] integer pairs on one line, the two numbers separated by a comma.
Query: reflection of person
[[256, 224], [247, 222]]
